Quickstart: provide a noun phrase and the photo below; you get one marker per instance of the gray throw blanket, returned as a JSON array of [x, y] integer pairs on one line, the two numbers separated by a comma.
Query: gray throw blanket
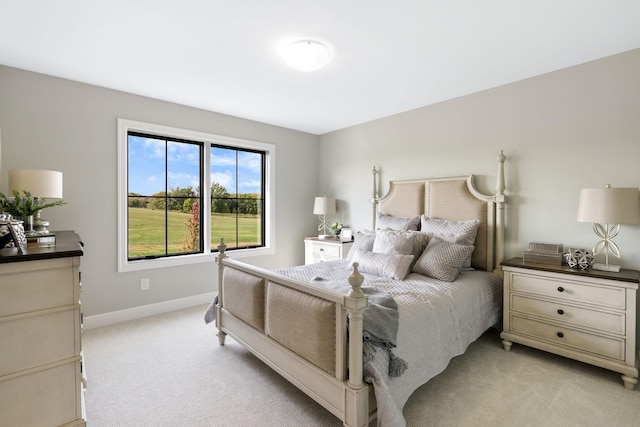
[[380, 324]]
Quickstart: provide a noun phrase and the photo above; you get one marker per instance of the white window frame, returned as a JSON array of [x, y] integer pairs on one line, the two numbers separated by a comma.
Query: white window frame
[[124, 127]]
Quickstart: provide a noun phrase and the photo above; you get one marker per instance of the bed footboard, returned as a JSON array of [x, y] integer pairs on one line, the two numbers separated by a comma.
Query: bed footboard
[[300, 331]]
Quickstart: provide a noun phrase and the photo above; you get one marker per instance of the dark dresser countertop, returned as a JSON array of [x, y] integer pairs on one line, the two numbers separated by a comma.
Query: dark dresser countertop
[[68, 244]]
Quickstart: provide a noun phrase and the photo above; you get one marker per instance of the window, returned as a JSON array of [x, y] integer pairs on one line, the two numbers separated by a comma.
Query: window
[[164, 217], [237, 204]]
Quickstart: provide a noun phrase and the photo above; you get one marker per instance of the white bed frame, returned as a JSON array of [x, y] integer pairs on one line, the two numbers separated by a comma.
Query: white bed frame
[[343, 392]]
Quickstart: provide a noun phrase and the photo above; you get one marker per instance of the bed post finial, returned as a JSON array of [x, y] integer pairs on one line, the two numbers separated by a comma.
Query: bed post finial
[[500, 185], [374, 197], [355, 279]]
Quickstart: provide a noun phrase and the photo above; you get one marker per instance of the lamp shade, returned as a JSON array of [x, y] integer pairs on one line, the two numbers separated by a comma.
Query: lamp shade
[[40, 183], [609, 205], [324, 206]]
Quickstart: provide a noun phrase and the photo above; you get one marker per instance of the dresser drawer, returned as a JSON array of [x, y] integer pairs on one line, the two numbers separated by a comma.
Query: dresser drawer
[[561, 289], [604, 346], [571, 315], [35, 340], [37, 285], [47, 397]]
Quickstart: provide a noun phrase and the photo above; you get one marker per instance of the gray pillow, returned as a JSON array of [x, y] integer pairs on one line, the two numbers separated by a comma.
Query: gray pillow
[[442, 260], [384, 222], [463, 232], [363, 241], [392, 266]]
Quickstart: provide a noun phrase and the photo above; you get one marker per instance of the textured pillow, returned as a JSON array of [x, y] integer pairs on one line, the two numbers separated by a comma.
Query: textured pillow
[[442, 259], [463, 232], [394, 242], [363, 242], [420, 243], [392, 266], [384, 222]]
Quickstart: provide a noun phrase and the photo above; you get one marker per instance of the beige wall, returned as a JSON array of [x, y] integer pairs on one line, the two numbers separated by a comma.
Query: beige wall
[[50, 123], [578, 127]]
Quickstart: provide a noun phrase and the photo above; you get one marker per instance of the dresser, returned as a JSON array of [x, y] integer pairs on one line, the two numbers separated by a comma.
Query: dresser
[[588, 316], [321, 250], [41, 378]]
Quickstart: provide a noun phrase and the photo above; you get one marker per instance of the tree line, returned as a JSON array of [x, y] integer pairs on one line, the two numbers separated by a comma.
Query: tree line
[[183, 200]]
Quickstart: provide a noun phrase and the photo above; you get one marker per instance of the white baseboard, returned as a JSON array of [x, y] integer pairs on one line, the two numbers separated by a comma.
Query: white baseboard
[[113, 317]]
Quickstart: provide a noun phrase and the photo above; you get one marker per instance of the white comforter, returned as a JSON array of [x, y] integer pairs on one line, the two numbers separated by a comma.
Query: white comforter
[[438, 321]]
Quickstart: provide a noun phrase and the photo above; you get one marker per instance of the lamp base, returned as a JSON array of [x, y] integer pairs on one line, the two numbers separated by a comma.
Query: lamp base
[[606, 267], [325, 236]]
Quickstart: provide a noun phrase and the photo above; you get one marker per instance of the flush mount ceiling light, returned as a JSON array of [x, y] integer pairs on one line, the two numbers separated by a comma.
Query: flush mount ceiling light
[[307, 55]]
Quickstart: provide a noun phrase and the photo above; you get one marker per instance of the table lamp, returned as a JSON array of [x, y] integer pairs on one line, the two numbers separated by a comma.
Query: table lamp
[[322, 207], [611, 207]]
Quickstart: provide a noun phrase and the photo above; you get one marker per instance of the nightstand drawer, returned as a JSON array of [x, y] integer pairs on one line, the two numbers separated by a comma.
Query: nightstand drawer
[[609, 347], [571, 315], [326, 251], [606, 296]]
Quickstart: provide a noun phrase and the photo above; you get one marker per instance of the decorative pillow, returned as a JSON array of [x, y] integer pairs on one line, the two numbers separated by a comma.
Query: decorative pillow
[[384, 222], [463, 232], [392, 266], [420, 243], [363, 242], [394, 242], [442, 259]]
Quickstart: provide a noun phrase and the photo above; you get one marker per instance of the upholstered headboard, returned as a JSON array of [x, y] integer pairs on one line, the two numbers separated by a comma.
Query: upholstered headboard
[[455, 199]]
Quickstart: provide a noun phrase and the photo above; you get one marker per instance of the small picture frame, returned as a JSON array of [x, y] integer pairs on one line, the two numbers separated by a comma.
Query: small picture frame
[[19, 238], [346, 235]]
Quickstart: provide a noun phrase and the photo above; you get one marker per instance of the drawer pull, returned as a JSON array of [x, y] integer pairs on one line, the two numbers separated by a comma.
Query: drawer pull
[[560, 311], [321, 250], [560, 289], [560, 335]]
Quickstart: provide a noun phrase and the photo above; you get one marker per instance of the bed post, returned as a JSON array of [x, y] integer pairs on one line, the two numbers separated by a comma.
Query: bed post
[[357, 394], [356, 303], [374, 198], [500, 200], [222, 247]]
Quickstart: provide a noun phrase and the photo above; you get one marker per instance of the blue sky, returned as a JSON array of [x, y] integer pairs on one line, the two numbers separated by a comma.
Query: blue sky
[[147, 166]]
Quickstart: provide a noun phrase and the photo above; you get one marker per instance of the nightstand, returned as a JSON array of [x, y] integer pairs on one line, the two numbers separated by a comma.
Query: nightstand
[[586, 315], [321, 250]]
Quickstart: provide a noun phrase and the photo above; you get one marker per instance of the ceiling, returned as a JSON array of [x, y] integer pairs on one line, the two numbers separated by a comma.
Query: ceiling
[[389, 57]]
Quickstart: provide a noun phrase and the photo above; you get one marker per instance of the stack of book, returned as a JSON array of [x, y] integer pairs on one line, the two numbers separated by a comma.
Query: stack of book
[[543, 253]]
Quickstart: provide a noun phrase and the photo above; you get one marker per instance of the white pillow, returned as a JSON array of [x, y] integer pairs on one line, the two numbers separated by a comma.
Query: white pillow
[[363, 241], [392, 266], [442, 259], [394, 242], [463, 232], [384, 222]]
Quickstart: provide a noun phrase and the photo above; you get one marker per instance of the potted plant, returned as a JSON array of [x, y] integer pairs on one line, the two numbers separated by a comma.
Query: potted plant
[[25, 207]]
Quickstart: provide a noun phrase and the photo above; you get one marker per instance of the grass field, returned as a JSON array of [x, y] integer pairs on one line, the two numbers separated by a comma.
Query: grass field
[[147, 231]]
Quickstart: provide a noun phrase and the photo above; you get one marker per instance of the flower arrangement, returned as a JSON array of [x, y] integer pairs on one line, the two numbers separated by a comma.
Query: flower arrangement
[[336, 227], [25, 205]]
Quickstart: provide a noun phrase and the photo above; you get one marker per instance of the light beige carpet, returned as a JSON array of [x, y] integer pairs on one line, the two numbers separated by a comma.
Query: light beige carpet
[[168, 370]]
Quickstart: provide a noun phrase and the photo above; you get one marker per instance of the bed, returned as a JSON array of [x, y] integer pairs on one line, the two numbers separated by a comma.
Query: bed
[[360, 335]]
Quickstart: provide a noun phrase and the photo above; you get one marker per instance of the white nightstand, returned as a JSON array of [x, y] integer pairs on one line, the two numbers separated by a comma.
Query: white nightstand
[[587, 315], [321, 250]]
